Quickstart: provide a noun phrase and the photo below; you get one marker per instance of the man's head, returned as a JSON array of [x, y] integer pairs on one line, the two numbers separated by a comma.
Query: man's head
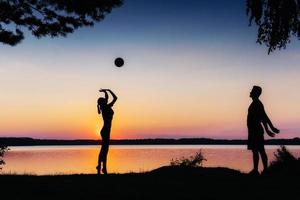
[[255, 92]]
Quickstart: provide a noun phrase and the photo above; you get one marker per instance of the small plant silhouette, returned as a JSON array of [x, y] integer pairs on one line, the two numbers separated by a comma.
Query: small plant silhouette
[[3, 149], [192, 161]]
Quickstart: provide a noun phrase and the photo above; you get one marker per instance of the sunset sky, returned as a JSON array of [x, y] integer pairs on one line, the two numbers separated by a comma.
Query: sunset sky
[[189, 68]]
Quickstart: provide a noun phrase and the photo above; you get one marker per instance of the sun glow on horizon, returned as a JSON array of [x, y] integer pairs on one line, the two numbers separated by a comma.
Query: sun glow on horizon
[[187, 77]]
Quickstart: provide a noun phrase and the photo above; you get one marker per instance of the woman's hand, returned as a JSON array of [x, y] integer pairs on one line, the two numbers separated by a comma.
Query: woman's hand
[[105, 90], [102, 90]]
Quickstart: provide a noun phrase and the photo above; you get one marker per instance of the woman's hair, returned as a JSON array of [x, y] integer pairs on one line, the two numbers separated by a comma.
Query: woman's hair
[[101, 102]]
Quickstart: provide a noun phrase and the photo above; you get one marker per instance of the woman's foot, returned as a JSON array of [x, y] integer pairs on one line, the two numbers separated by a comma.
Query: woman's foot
[[98, 169], [104, 171]]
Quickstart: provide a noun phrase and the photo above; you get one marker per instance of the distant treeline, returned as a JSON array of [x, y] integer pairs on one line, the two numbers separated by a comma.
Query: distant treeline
[[184, 141]]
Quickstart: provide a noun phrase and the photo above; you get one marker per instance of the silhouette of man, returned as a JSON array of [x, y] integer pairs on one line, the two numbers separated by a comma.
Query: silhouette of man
[[256, 117]]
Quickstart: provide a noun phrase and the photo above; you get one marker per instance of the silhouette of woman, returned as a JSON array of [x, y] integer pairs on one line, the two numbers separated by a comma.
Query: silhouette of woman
[[107, 114], [256, 117]]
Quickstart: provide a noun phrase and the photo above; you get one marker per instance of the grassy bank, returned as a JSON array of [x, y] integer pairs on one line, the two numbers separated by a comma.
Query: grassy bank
[[171, 182]]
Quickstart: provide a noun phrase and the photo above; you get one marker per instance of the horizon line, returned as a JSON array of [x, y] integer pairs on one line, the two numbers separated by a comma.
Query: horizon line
[[191, 138]]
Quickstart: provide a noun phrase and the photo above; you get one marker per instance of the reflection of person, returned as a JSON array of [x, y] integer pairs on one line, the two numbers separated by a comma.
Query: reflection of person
[[107, 114], [256, 117]]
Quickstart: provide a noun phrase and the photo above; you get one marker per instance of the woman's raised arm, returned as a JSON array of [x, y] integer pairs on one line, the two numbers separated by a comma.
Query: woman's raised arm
[[114, 98]]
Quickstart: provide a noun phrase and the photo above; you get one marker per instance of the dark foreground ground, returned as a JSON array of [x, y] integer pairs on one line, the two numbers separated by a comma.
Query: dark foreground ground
[[166, 183]]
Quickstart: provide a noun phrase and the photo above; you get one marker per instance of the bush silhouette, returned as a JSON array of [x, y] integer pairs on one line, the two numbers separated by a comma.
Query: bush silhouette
[[283, 155], [285, 164], [192, 161], [3, 149]]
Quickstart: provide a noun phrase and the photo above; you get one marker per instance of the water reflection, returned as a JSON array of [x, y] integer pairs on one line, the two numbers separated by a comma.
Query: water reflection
[[122, 159]]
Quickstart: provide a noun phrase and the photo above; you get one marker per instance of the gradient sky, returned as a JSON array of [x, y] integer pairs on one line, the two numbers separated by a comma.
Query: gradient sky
[[189, 68]]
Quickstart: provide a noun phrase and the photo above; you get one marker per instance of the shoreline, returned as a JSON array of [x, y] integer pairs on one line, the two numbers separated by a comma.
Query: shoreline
[[8, 141]]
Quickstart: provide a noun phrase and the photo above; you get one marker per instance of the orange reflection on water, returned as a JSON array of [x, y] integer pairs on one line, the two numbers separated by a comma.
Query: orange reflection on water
[[122, 159]]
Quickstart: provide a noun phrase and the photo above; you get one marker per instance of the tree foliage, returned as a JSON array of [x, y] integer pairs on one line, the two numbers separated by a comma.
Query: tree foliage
[[49, 17], [277, 20]]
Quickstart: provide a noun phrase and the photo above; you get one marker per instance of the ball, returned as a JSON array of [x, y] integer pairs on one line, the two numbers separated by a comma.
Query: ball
[[119, 62]]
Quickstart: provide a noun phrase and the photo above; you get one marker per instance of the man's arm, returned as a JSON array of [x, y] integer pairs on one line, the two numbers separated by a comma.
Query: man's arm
[[266, 121], [270, 133]]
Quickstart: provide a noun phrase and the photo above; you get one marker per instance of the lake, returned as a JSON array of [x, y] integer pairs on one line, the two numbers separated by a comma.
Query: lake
[[41, 160]]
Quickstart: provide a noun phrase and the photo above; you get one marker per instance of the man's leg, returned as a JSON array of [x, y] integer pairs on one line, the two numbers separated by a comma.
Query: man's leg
[[255, 160], [264, 158]]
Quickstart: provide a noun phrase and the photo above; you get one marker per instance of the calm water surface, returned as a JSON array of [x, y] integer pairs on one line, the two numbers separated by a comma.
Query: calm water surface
[[121, 159]]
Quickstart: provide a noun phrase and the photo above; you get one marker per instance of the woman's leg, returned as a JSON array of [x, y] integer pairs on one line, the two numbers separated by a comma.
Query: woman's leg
[[102, 151], [100, 159], [105, 134], [105, 152]]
